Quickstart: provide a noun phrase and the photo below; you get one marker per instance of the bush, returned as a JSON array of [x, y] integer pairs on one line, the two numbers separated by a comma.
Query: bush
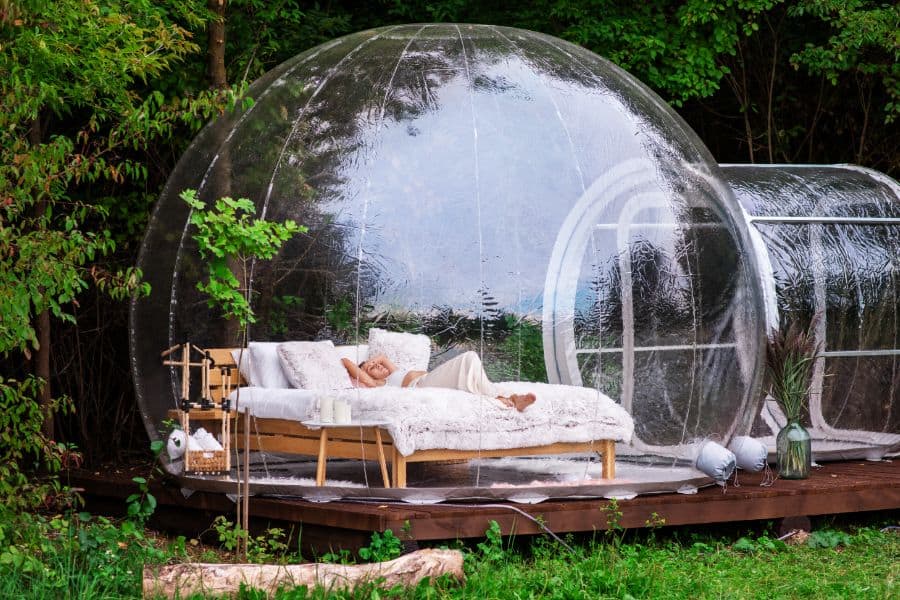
[[23, 446]]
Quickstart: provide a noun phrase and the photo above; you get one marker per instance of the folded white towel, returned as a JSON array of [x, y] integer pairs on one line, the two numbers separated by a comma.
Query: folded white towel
[[194, 444], [206, 441]]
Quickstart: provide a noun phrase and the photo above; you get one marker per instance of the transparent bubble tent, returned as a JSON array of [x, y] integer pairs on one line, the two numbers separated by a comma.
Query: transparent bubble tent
[[510, 194]]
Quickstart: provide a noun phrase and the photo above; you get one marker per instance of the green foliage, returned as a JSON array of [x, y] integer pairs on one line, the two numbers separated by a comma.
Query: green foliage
[[142, 505], [81, 556], [51, 238], [613, 511], [491, 549], [282, 306], [269, 546], [339, 316], [75, 555], [675, 47], [23, 445], [384, 546], [828, 538], [761, 544], [862, 43], [262, 34], [230, 534], [341, 557], [655, 521], [701, 567], [525, 343], [229, 232]]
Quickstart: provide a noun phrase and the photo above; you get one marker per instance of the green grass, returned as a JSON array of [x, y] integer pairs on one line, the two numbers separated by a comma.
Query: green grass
[[866, 568], [78, 556], [74, 556]]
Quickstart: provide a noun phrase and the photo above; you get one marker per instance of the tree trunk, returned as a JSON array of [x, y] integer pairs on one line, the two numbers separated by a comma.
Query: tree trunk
[[42, 370], [215, 45], [41, 355], [172, 581]]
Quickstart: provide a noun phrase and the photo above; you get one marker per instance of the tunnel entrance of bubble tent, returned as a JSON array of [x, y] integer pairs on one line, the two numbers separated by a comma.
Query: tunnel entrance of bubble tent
[[616, 209], [829, 442]]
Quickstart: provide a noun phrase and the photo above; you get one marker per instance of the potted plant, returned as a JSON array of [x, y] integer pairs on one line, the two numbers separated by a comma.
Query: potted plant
[[790, 356]]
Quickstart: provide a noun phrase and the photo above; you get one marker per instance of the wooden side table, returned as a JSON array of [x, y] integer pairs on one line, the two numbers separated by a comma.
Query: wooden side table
[[321, 463]]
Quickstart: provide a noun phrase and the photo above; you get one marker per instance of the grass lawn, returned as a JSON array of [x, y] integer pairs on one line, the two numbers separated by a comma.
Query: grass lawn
[[80, 556]]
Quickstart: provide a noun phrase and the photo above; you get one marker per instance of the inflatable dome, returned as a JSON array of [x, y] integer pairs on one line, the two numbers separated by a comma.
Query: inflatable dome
[[499, 191]]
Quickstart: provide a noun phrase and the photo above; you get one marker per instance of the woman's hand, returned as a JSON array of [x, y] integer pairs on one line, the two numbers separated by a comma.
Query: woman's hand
[[383, 360], [359, 377]]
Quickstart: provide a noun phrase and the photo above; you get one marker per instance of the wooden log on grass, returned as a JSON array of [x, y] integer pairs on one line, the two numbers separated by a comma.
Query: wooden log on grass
[[182, 580]]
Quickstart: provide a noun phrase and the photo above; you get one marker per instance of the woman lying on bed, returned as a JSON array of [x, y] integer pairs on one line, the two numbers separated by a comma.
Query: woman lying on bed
[[463, 372]]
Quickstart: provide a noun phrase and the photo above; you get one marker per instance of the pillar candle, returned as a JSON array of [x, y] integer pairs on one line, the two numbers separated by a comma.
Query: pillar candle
[[341, 412], [326, 409]]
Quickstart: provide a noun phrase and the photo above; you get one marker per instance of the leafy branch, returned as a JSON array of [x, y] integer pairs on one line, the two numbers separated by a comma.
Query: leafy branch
[[230, 232]]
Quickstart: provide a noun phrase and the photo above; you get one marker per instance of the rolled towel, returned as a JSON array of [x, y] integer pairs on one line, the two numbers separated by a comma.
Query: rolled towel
[[176, 444], [750, 454], [715, 460]]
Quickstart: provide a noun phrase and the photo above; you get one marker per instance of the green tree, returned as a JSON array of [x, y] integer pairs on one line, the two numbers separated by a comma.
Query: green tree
[[860, 50], [229, 236], [75, 85]]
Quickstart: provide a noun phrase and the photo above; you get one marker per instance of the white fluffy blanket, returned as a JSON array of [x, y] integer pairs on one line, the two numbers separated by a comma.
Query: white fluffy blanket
[[438, 418]]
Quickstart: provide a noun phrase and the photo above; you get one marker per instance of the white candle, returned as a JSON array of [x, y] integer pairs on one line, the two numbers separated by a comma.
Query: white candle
[[326, 409], [341, 412]]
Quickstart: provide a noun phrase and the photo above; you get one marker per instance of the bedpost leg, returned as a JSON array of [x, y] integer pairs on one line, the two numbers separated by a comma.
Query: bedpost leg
[[398, 470], [323, 457], [381, 460], [609, 459], [401, 472]]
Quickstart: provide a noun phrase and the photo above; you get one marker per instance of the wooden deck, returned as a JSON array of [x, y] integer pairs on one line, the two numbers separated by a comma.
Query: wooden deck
[[845, 487]]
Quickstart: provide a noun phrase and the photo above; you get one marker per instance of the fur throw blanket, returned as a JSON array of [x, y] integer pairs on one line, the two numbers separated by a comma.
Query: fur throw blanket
[[438, 418]]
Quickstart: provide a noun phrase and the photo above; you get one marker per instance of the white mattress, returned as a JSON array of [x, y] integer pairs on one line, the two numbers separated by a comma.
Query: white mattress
[[438, 418]]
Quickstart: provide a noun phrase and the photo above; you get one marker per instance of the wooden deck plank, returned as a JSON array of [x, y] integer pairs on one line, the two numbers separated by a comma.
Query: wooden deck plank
[[846, 487]]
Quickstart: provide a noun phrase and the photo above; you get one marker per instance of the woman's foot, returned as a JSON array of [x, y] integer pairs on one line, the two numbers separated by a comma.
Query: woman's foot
[[522, 401], [517, 401]]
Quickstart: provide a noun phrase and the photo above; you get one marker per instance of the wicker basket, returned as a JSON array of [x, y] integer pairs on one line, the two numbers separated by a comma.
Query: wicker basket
[[207, 461]]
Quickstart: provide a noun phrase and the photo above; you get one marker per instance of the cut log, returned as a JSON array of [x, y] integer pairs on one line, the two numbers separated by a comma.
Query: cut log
[[182, 580]]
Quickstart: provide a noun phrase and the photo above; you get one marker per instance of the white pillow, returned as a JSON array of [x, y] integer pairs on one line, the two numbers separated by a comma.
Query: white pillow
[[355, 353], [244, 366], [409, 351], [313, 366], [265, 366]]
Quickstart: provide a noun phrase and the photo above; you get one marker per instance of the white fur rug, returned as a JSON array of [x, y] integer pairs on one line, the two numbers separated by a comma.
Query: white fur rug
[[437, 418]]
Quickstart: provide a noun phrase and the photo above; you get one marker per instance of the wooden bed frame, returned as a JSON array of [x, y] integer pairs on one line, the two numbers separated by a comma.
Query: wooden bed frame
[[289, 436]]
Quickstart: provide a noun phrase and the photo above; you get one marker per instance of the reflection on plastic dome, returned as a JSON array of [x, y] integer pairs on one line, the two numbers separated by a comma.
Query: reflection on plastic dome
[[499, 191]]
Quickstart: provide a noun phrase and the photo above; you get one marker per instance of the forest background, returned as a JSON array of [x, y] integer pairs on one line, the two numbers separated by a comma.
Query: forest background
[[99, 98]]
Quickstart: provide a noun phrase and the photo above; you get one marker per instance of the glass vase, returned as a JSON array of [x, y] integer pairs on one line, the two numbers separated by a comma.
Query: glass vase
[[794, 451]]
